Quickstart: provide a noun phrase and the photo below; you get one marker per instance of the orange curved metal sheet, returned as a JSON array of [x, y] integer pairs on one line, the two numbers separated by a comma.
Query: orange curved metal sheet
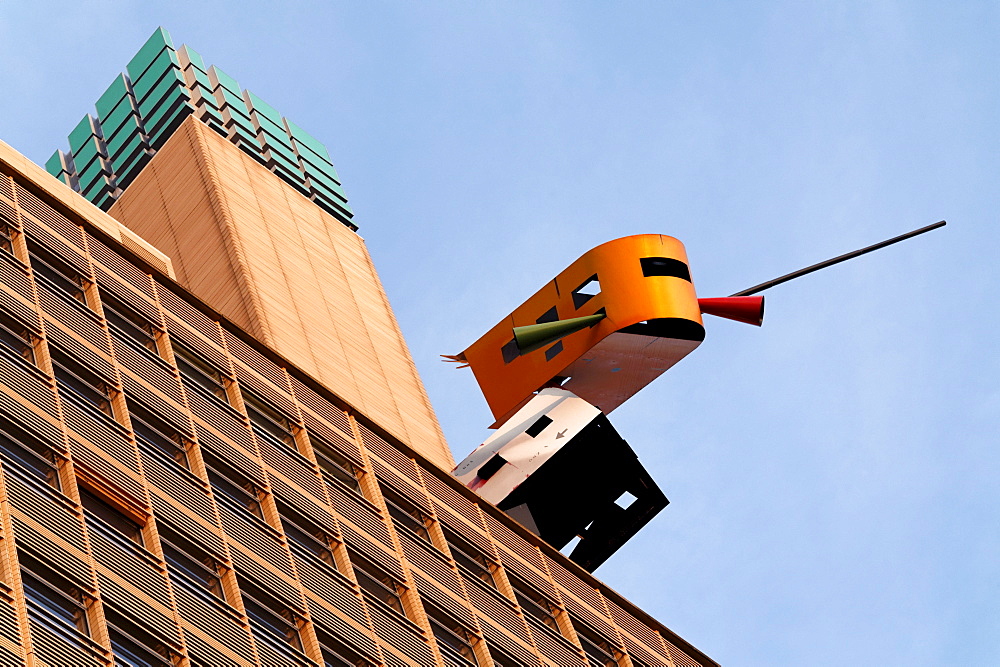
[[653, 321]]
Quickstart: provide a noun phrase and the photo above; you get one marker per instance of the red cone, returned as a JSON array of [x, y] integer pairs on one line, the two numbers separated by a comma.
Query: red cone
[[748, 309]]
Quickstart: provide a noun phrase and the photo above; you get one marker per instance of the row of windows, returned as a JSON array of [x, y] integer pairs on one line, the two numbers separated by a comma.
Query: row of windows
[[188, 562], [204, 571], [202, 568], [16, 338], [471, 561]]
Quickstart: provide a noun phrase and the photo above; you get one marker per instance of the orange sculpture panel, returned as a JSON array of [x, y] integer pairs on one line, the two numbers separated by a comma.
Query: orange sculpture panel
[[643, 286]]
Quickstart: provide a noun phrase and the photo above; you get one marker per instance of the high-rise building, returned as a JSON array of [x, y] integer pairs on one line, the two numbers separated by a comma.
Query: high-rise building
[[214, 446]]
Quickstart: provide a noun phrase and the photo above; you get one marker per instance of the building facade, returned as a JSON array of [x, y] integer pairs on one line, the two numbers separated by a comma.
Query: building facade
[[177, 487]]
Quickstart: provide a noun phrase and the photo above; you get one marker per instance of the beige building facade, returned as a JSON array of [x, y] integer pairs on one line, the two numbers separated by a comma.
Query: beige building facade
[[283, 269]]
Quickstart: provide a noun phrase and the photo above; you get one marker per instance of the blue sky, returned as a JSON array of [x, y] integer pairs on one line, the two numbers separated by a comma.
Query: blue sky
[[833, 477]]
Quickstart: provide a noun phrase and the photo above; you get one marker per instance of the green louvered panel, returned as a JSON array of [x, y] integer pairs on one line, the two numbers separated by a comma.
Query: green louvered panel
[[96, 175], [168, 118], [163, 72], [334, 209], [112, 97], [83, 141], [61, 166], [325, 175], [159, 87], [144, 106], [89, 156], [323, 178], [132, 157], [165, 91], [302, 138], [89, 150], [54, 165], [115, 105], [263, 111], [122, 122], [321, 190], [277, 145], [123, 130], [235, 114], [200, 87], [104, 201], [147, 55]]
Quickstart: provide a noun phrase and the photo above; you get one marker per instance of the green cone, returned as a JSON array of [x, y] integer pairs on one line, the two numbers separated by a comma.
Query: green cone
[[534, 336]]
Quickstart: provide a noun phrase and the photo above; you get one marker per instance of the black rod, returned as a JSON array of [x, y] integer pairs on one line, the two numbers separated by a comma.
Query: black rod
[[837, 260]]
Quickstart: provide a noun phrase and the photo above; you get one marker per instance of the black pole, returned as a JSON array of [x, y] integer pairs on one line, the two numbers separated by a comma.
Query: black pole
[[837, 260]]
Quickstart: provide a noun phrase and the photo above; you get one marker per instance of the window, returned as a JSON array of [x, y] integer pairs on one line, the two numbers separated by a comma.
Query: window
[[599, 651], [336, 653], [269, 616], [191, 562], [269, 422], [470, 558], [377, 584], [454, 641], [590, 288], [153, 431], [95, 507], [129, 322], [405, 514], [664, 266], [534, 604], [229, 482], [31, 454], [16, 337], [6, 237], [133, 646], [336, 466], [501, 659], [82, 383], [307, 535], [197, 372], [52, 601], [57, 273]]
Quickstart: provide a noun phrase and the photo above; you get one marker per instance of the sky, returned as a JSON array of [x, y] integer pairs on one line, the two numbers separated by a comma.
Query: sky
[[833, 476]]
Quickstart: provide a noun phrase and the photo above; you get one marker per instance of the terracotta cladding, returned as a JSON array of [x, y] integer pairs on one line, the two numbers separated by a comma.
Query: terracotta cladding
[[268, 574], [286, 272]]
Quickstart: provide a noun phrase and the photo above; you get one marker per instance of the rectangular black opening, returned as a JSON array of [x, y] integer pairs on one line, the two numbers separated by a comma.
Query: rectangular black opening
[[550, 315], [491, 467], [539, 426], [590, 288], [664, 266], [510, 351]]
